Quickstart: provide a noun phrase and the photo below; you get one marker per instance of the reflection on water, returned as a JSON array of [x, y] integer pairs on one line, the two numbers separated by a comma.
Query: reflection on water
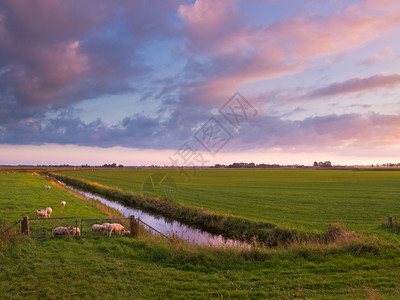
[[165, 226]]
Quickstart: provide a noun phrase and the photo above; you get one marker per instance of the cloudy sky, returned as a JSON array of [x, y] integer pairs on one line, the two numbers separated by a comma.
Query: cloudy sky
[[155, 81]]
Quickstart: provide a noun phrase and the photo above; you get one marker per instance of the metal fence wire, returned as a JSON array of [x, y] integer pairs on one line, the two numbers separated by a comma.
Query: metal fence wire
[[11, 227]]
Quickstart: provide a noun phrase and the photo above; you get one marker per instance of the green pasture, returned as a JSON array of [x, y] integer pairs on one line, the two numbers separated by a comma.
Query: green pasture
[[23, 193], [306, 199], [154, 268]]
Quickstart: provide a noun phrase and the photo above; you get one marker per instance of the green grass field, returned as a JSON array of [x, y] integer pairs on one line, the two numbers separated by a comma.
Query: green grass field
[[302, 199], [152, 268]]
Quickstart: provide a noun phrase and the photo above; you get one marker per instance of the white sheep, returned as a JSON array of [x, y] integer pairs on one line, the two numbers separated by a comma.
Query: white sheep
[[99, 228], [63, 204], [49, 211], [71, 230], [126, 233], [115, 227], [47, 187], [41, 213]]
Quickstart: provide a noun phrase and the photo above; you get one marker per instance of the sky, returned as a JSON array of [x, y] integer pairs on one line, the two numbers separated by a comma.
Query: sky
[[200, 82]]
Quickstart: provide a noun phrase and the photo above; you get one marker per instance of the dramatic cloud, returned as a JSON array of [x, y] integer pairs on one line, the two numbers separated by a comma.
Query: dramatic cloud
[[147, 73], [320, 133], [55, 53], [242, 54]]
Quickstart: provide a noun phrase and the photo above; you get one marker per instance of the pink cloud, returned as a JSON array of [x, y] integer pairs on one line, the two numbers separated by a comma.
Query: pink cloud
[[383, 5], [56, 68], [324, 133], [356, 85], [386, 53], [247, 54], [208, 20]]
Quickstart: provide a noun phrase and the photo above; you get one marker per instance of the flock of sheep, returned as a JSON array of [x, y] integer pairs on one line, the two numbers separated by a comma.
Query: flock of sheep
[[45, 213], [73, 230]]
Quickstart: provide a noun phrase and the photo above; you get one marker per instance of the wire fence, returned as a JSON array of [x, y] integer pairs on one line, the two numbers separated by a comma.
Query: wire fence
[[11, 226], [100, 227], [50, 227]]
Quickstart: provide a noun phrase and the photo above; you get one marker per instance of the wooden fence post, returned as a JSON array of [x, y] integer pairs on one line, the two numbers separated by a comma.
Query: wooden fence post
[[390, 222], [134, 224], [25, 225]]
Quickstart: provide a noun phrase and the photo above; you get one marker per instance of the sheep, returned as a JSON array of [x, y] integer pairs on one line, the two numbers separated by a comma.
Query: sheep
[[74, 230], [49, 211], [71, 230], [41, 213], [63, 204], [126, 233], [99, 228], [115, 227], [60, 231], [47, 187]]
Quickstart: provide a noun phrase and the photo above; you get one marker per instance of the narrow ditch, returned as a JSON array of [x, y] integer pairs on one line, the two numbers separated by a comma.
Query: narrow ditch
[[165, 226]]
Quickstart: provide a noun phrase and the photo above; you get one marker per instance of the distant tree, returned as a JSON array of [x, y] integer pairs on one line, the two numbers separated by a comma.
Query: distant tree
[[315, 164]]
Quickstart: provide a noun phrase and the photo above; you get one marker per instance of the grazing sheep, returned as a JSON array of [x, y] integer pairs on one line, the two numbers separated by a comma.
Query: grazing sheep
[[63, 204], [115, 227], [41, 213], [60, 231], [74, 230], [99, 228], [71, 230], [47, 187], [49, 211], [126, 233]]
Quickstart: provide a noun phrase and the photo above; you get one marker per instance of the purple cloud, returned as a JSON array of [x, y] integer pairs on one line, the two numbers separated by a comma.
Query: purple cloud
[[356, 85]]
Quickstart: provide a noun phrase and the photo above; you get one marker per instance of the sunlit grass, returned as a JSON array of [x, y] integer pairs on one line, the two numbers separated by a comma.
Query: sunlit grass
[[352, 266]]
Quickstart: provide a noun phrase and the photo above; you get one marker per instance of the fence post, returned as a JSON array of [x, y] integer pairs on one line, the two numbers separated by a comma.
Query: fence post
[[390, 222], [25, 225], [134, 226]]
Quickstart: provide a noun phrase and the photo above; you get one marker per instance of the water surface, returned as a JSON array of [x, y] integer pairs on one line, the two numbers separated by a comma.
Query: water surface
[[165, 226]]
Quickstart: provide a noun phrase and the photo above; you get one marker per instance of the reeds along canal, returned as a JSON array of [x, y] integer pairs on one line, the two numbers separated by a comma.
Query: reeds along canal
[[165, 226]]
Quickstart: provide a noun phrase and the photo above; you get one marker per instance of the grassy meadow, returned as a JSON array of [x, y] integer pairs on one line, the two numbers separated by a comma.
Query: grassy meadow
[[155, 268], [305, 199]]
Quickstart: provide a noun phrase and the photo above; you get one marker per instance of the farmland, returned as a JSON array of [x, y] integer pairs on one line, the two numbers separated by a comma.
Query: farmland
[[151, 267], [302, 199]]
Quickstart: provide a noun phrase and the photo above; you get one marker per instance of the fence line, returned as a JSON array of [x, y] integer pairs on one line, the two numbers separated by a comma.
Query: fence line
[[81, 221], [56, 218], [153, 229], [11, 226]]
